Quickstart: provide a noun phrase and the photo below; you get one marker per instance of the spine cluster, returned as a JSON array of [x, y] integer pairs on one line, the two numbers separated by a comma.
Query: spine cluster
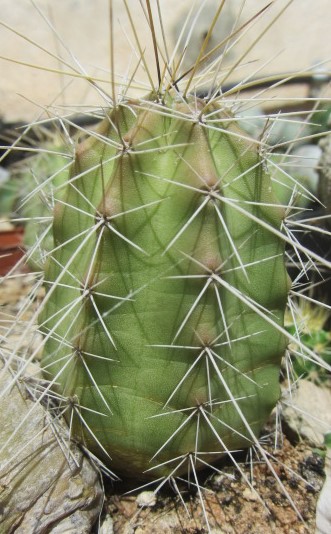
[[166, 289]]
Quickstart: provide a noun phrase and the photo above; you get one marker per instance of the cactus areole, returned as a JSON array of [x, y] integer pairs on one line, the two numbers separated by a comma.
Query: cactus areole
[[166, 289]]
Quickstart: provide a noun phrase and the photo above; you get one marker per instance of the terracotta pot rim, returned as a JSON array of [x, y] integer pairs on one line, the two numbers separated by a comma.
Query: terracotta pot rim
[[10, 239]]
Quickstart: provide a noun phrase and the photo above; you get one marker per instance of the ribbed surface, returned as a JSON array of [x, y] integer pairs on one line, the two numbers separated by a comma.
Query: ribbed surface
[[153, 215]]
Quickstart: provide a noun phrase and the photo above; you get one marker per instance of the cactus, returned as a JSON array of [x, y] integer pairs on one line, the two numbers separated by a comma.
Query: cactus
[[311, 324], [171, 322], [39, 182], [28, 195], [163, 332]]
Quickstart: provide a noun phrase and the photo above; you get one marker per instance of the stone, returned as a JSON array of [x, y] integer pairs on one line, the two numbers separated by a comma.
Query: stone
[[307, 411], [323, 510], [146, 498], [44, 487], [107, 525]]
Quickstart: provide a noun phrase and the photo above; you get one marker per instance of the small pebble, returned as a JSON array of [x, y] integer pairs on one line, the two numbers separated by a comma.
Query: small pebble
[[249, 495], [146, 498], [107, 526]]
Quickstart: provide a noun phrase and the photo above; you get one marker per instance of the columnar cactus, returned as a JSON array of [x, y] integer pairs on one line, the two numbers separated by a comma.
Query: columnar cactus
[[39, 181], [167, 288], [163, 337]]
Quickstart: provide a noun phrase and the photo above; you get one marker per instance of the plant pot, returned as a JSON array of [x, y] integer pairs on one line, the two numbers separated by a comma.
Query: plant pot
[[11, 248]]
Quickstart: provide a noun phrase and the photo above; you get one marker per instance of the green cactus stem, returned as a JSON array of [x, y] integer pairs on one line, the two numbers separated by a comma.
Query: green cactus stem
[[163, 321]]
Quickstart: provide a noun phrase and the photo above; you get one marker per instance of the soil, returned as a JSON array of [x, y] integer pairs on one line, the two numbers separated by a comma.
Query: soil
[[232, 507]]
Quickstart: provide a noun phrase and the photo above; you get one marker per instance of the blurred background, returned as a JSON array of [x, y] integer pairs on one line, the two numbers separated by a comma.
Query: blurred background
[[79, 32]]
